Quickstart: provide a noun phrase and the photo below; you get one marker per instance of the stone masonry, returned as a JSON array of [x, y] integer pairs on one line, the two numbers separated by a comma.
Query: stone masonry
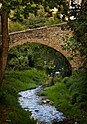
[[53, 36]]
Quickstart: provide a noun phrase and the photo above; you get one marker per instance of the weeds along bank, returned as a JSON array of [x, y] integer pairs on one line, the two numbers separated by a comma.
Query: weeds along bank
[[70, 96], [16, 81]]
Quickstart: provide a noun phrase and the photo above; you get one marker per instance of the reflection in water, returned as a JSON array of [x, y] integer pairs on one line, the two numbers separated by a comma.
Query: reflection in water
[[44, 113]]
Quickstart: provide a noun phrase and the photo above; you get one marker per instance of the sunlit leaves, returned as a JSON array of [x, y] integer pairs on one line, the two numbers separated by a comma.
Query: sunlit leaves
[[72, 43], [20, 1]]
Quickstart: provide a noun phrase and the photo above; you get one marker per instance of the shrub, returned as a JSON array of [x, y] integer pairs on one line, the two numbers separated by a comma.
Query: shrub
[[74, 98], [65, 80], [15, 26], [52, 20], [34, 22]]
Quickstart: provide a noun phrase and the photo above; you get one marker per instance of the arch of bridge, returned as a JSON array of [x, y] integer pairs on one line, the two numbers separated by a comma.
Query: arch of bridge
[[52, 36]]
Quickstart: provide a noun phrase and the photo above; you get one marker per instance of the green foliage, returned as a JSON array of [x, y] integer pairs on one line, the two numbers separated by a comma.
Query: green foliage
[[22, 11], [18, 58], [64, 80], [14, 82], [72, 43], [40, 20], [80, 32], [59, 95], [15, 26], [29, 77], [77, 88], [45, 58], [52, 21], [32, 6], [18, 117], [34, 22], [70, 96]]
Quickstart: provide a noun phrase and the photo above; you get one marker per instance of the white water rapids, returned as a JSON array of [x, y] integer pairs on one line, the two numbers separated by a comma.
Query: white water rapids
[[44, 113]]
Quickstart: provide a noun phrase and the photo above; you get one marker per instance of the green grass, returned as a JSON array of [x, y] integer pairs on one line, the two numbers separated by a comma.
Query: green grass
[[59, 95], [14, 82], [70, 96]]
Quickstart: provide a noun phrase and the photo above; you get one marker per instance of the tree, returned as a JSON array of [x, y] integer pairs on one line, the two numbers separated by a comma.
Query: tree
[[5, 37], [80, 31], [5, 9], [5, 43], [31, 6], [8, 5]]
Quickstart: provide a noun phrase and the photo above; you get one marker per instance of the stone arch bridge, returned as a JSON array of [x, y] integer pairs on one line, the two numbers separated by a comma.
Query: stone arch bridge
[[54, 36]]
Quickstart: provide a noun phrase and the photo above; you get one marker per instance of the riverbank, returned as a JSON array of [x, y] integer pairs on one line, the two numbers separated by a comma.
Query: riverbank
[[70, 96], [15, 81], [44, 113]]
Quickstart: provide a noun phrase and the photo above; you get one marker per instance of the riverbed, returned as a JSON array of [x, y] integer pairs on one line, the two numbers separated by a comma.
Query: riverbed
[[44, 113]]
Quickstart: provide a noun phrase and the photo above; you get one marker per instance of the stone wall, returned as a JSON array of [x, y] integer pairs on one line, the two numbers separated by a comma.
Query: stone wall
[[52, 36]]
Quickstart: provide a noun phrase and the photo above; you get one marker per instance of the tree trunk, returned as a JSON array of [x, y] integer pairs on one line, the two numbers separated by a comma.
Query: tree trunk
[[5, 44]]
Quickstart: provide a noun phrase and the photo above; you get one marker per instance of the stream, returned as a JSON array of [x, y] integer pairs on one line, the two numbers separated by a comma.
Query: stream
[[44, 113]]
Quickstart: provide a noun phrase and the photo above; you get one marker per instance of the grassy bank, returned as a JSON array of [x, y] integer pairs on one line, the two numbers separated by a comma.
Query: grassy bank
[[70, 96], [15, 81]]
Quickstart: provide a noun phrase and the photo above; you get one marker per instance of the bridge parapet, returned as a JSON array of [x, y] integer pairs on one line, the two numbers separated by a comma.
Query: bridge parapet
[[50, 34], [53, 36], [41, 32]]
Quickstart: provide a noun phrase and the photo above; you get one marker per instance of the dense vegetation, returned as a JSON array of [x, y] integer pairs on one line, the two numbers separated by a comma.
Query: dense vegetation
[[79, 26], [15, 81], [38, 56], [37, 14], [70, 96]]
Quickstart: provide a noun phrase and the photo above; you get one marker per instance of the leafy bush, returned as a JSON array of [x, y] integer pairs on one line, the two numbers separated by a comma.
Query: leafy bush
[[14, 82], [39, 56], [15, 26], [18, 117], [65, 80], [74, 98], [70, 96], [34, 22], [52, 21]]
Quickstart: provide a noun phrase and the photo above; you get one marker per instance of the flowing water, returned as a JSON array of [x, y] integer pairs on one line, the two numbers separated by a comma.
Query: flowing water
[[31, 101]]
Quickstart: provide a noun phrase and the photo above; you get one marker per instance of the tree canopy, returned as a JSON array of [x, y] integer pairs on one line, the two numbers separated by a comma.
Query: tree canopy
[[24, 7], [79, 25]]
